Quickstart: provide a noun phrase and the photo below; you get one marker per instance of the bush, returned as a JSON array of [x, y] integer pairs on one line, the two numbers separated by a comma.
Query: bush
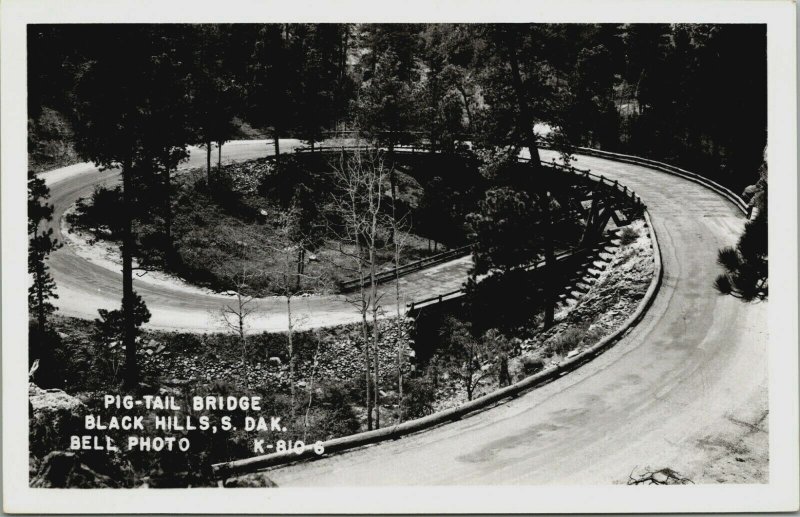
[[628, 236], [566, 341], [100, 214], [333, 414], [572, 338], [419, 395]]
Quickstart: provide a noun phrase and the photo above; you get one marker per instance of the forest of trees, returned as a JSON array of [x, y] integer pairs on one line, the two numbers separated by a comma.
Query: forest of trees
[[692, 95], [136, 96]]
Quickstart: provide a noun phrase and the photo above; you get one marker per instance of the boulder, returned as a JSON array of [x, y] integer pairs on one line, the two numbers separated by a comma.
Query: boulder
[[51, 400]]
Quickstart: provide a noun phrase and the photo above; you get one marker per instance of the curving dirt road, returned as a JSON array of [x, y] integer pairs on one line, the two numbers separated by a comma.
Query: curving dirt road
[[85, 285], [685, 389]]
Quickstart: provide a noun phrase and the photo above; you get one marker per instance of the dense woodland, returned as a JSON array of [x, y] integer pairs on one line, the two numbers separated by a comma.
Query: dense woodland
[[692, 95]]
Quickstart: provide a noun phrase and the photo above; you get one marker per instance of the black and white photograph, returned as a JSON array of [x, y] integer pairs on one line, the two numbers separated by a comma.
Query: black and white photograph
[[395, 252]]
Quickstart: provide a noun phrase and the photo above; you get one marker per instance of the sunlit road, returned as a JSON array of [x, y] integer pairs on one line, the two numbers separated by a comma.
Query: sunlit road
[[668, 394], [85, 286], [692, 368]]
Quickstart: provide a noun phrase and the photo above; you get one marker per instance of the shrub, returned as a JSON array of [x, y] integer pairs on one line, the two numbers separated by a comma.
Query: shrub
[[572, 338], [419, 395], [333, 413], [101, 213], [628, 236]]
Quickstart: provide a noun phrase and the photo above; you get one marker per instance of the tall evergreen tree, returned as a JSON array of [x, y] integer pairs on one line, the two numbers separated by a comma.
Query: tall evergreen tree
[[746, 264], [518, 92], [273, 87], [118, 102], [216, 97], [40, 244], [320, 53], [385, 108]]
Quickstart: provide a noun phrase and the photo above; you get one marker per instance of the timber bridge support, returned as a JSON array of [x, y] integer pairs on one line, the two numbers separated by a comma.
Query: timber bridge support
[[592, 199]]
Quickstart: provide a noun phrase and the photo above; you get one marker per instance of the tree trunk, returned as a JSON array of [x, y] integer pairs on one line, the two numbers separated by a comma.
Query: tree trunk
[[399, 331], [41, 316], [463, 93], [367, 362], [242, 333], [128, 302], [301, 252], [219, 156], [550, 262], [393, 183], [374, 301], [168, 251], [208, 162], [526, 117], [277, 144], [526, 120], [291, 352], [364, 336]]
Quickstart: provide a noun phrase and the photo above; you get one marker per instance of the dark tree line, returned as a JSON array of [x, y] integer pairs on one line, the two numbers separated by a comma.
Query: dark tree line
[[139, 95], [691, 94]]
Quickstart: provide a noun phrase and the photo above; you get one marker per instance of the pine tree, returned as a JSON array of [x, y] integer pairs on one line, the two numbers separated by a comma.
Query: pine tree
[[41, 244], [747, 265], [119, 103], [319, 52], [216, 96]]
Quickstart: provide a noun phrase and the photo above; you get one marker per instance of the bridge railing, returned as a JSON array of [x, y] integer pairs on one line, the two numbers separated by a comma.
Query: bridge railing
[[670, 169], [598, 178], [412, 149], [412, 267]]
